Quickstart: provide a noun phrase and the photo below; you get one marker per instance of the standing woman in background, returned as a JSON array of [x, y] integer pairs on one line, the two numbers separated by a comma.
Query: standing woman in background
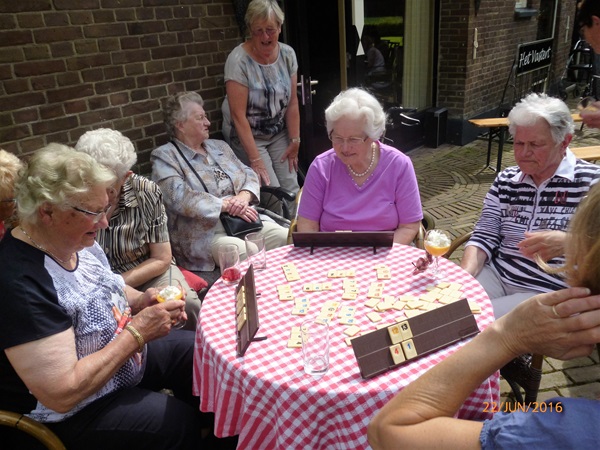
[[261, 120]]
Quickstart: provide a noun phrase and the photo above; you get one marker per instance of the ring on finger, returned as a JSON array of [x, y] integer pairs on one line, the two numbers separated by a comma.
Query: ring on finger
[[555, 312]]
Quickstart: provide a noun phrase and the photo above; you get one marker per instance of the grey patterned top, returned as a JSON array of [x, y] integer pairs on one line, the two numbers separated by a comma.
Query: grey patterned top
[[269, 88]]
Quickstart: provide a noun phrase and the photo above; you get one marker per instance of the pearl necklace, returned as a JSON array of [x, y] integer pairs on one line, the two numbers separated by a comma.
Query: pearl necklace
[[358, 175], [39, 247]]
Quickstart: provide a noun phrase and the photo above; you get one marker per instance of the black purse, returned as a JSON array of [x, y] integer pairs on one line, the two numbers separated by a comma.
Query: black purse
[[238, 227], [234, 226]]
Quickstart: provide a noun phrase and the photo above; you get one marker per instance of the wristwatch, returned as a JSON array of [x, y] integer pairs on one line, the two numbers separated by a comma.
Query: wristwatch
[[295, 140]]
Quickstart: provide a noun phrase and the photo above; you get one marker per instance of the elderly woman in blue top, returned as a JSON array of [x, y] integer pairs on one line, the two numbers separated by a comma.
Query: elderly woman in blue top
[[261, 120], [529, 206], [194, 225]]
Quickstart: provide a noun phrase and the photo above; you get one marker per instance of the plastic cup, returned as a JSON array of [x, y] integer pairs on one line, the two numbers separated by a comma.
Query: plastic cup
[[255, 249], [229, 262], [315, 347]]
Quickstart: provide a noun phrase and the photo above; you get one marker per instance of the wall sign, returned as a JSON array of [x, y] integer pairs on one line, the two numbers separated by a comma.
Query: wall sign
[[534, 55]]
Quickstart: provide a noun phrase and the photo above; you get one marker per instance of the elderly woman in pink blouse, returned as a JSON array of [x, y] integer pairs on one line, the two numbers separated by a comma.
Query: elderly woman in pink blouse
[[361, 184]]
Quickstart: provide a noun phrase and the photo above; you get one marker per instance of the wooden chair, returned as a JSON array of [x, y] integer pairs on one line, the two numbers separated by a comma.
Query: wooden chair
[[523, 372], [427, 223], [33, 428], [294, 220]]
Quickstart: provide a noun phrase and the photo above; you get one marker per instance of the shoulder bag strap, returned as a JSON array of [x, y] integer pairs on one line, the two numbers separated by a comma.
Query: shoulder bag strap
[[190, 165]]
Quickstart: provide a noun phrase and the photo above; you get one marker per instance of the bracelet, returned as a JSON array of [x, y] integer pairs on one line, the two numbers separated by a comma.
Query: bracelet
[[295, 140], [138, 337], [256, 159]]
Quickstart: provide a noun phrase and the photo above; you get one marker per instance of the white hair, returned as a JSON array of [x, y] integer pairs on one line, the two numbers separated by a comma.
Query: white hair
[[534, 107], [356, 103], [110, 148]]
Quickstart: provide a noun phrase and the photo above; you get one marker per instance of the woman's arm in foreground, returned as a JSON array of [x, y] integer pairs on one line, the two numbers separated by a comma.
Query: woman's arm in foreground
[[421, 415], [51, 371]]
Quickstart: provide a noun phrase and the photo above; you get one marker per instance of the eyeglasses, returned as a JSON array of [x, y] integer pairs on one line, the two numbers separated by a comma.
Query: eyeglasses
[[351, 141], [422, 263], [97, 216], [270, 32]]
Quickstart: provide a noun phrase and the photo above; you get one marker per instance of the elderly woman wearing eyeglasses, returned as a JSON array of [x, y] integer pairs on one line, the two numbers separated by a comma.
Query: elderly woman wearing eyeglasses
[[80, 350], [10, 166], [360, 184], [261, 120]]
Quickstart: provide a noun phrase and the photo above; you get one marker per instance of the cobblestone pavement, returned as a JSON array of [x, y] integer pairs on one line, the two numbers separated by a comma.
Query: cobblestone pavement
[[453, 181]]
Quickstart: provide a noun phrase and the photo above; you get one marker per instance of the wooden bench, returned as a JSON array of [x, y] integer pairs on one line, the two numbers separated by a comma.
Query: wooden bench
[[587, 153], [499, 125]]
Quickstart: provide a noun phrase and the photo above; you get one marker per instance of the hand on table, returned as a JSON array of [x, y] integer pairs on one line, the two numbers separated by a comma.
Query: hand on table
[[546, 244], [564, 324], [259, 167]]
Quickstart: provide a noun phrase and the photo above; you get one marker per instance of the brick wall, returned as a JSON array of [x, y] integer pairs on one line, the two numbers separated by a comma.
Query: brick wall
[[68, 66], [467, 86]]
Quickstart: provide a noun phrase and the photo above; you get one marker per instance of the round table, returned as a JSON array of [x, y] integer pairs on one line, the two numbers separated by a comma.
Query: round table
[[266, 398]]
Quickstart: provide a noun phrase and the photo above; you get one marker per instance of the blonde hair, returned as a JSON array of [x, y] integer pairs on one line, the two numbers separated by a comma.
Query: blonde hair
[[582, 267], [54, 175], [10, 167], [582, 248]]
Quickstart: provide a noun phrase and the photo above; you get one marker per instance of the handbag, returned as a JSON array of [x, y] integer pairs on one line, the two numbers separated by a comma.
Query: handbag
[[238, 227], [234, 226]]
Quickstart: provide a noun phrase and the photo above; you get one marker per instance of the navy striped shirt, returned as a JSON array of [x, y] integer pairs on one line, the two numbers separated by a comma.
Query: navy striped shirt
[[514, 205]]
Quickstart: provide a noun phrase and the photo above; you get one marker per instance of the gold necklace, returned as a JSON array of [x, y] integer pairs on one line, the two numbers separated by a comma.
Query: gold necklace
[[358, 175], [44, 249]]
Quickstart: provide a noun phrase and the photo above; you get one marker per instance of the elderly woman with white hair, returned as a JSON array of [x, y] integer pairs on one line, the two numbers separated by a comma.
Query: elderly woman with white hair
[[529, 206], [136, 240], [361, 184]]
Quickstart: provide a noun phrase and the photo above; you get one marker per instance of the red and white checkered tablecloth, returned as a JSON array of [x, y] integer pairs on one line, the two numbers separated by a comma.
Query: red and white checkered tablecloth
[[266, 398]]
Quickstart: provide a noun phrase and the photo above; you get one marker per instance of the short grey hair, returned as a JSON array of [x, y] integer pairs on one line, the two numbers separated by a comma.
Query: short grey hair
[[176, 110], [110, 148], [356, 103], [263, 10], [56, 174], [534, 107]]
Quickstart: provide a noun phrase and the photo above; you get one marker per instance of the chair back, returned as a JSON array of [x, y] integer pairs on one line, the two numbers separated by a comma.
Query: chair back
[[427, 223], [33, 428]]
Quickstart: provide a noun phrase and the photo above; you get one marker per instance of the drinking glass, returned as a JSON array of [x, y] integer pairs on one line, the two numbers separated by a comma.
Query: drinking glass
[[229, 262], [255, 249], [587, 104], [437, 243], [315, 347], [172, 291]]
